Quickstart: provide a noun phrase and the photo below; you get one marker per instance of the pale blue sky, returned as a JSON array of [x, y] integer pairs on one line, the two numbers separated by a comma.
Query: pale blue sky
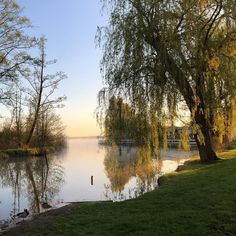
[[70, 27]]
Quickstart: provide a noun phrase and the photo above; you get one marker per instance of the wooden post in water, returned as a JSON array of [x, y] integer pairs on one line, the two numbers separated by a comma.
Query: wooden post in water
[[91, 180]]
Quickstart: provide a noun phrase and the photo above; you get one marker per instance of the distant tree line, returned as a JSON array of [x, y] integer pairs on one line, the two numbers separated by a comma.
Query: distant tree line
[[27, 91]]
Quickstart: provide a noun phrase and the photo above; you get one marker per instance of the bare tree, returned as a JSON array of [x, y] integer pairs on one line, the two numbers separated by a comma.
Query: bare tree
[[42, 88]]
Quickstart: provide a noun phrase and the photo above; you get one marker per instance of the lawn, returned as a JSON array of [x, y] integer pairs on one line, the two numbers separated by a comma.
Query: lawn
[[198, 200]]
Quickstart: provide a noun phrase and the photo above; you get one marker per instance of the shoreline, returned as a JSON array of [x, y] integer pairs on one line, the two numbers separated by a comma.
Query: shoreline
[[175, 199], [60, 209], [186, 194], [27, 152]]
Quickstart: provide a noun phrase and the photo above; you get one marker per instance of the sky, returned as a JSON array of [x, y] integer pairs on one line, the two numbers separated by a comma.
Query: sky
[[70, 28]]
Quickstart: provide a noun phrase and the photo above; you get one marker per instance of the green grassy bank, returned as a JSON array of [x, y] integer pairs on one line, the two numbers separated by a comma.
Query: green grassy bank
[[198, 200]]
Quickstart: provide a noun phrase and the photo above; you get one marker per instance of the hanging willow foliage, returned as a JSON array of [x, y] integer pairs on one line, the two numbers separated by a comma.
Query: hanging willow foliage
[[159, 54]]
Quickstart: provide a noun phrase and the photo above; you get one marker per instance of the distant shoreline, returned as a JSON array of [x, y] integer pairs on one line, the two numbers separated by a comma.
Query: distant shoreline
[[84, 137]]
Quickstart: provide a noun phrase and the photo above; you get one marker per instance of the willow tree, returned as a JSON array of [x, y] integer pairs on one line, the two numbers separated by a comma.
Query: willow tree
[[123, 122], [168, 53]]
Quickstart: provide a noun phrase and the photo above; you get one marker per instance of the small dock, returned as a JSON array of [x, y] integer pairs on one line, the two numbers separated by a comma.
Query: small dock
[[175, 143]]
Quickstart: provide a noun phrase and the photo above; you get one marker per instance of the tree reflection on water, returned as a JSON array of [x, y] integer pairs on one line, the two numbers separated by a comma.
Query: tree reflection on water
[[124, 164], [38, 179]]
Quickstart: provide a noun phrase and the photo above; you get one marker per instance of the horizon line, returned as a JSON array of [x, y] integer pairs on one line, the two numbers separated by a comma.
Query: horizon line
[[89, 136]]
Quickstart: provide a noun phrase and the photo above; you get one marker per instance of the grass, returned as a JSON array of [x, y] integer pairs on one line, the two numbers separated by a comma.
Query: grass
[[198, 200]]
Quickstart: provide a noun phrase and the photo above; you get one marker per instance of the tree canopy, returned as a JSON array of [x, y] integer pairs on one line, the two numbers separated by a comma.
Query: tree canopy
[[160, 55]]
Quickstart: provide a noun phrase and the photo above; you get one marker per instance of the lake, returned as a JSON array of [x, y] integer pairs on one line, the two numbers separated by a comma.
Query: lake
[[84, 171]]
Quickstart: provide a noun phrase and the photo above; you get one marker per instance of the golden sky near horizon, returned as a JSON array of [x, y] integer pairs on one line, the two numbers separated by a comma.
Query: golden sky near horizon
[[80, 122]]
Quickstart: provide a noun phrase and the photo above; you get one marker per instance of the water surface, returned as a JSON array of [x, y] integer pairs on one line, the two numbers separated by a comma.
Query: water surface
[[118, 174]]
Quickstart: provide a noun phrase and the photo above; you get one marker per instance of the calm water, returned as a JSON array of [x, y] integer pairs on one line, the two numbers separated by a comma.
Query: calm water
[[66, 177]]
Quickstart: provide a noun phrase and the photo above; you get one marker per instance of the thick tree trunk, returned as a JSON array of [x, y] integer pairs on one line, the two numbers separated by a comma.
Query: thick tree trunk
[[206, 151]]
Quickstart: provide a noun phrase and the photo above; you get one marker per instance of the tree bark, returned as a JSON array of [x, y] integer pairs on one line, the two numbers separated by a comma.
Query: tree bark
[[207, 154], [205, 147]]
